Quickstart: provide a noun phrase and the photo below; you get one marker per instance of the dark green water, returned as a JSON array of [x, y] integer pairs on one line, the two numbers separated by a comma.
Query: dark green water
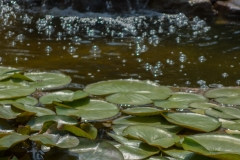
[[118, 43]]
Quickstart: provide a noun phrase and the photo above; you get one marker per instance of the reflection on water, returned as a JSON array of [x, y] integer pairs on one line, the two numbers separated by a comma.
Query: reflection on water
[[90, 47]]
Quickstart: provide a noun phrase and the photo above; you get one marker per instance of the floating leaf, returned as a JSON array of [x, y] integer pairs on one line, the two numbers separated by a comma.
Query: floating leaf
[[6, 112], [222, 92], [171, 104], [94, 110], [5, 128], [56, 140], [224, 112], [187, 97], [142, 111], [233, 100], [202, 105], [134, 149], [37, 123], [177, 153], [86, 130], [220, 146], [151, 135], [193, 121], [38, 110], [132, 92], [27, 100], [230, 124], [6, 72], [128, 98], [11, 139], [62, 96], [45, 80], [15, 92], [91, 150]]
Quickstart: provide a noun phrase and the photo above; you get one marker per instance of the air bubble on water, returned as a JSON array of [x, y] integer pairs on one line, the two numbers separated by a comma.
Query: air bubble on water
[[138, 40], [202, 59], [238, 82], [95, 50], [76, 40], [214, 85], [187, 82], [170, 62], [182, 58], [204, 86], [171, 29], [201, 82], [20, 38], [48, 49], [71, 50], [159, 64], [224, 75]]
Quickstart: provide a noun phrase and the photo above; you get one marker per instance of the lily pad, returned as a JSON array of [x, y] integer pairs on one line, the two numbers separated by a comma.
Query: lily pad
[[222, 92], [220, 146], [15, 92], [132, 92], [66, 141], [27, 100], [62, 96], [166, 104], [233, 100], [92, 150], [37, 123], [224, 112], [134, 149], [40, 111], [177, 153], [46, 80], [11, 140], [202, 105], [6, 112], [151, 135], [193, 121], [142, 111], [187, 97], [6, 72], [230, 124], [94, 110]]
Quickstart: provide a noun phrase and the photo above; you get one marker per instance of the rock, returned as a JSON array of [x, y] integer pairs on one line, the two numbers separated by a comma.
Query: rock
[[229, 8], [196, 7]]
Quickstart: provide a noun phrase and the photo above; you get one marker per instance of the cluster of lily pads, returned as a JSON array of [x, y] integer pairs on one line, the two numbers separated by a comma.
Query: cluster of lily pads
[[114, 119]]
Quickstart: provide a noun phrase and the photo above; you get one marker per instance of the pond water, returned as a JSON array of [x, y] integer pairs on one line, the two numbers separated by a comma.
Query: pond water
[[90, 47]]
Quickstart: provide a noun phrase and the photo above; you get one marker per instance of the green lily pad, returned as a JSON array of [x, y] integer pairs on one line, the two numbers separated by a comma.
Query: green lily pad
[[177, 153], [219, 146], [224, 112], [92, 150], [62, 96], [5, 128], [6, 112], [11, 140], [27, 100], [187, 97], [37, 123], [128, 98], [142, 111], [166, 104], [134, 149], [230, 124], [40, 111], [6, 72], [12, 93], [151, 135], [131, 92], [233, 100], [94, 110], [86, 130], [66, 141], [202, 105], [45, 80], [193, 121], [222, 92]]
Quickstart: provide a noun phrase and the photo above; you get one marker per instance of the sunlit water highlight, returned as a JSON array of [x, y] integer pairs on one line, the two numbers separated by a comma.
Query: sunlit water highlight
[[90, 47]]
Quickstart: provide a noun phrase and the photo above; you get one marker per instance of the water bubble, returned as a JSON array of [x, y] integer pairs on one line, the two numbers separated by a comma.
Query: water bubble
[[201, 82], [76, 40], [214, 85], [202, 59], [204, 86], [48, 49], [49, 30], [71, 50], [171, 29], [224, 75], [95, 50], [238, 82], [20, 37], [138, 40], [187, 82], [159, 64], [182, 58], [170, 62]]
